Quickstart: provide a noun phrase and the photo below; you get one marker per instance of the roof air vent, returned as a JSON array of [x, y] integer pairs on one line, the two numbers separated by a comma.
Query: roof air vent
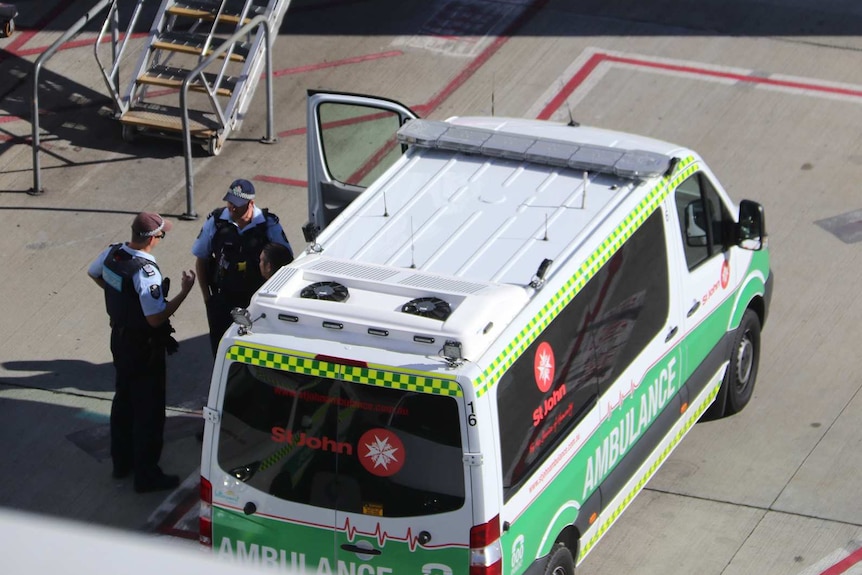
[[329, 291], [432, 307]]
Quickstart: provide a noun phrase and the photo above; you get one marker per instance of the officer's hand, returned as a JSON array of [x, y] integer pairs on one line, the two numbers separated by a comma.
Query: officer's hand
[[188, 281]]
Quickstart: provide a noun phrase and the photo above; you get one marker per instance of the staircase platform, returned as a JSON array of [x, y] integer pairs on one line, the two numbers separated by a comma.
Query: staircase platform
[[169, 119]]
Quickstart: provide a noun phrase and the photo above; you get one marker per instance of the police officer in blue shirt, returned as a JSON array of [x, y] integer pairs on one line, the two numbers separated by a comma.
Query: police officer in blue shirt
[[228, 254], [135, 297]]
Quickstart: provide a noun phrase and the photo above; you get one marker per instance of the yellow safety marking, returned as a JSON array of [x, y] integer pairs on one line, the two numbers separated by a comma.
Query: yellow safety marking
[[406, 380], [588, 269], [650, 472]]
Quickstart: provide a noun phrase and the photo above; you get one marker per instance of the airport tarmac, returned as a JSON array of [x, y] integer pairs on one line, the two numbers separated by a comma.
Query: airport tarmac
[[768, 92]]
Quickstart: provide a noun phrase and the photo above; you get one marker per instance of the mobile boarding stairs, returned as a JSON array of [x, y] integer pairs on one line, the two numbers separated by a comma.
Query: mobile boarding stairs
[[212, 48], [184, 35]]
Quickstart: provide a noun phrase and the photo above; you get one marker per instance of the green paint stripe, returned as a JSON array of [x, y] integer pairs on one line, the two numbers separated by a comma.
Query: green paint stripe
[[650, 472], [576, 283]]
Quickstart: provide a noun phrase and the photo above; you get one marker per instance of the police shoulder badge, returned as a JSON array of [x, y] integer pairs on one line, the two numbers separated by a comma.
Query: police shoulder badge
[[156, 291], [149, 270]]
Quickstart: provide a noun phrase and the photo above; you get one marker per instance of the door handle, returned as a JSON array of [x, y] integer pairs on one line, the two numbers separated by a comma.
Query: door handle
[[671, 334], [357, 549], [693, 309]]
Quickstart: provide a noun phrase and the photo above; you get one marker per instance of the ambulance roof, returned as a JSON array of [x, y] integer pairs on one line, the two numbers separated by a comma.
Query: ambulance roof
[[446, 243]]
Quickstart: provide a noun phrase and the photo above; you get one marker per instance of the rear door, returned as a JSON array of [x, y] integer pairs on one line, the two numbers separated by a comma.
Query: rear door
[[328, 467], [351, 141]]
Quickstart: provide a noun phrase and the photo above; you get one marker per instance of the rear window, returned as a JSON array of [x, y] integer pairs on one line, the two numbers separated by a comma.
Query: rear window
[[341, 445]]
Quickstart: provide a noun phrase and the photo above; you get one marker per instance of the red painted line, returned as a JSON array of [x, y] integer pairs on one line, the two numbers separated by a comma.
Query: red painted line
[[845, 564], [337, 124], [282, 181], [292, 132], [372, 162], [597, 59], [167, 526], [739, 77], [334, 63], [75, 44], [570, 86], [481, 59], [459, 80], [25, 36]]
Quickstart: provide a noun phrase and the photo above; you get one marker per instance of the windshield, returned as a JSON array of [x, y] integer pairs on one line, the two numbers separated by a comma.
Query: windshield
[[342, 445]]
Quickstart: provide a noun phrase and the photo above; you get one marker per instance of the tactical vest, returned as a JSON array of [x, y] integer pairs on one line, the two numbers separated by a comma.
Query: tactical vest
[[235, 267], [121, 299]]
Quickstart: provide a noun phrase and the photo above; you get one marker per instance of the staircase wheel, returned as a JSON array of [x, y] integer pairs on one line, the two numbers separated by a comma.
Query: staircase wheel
[[8, 28], [129, 133], [213, 146]]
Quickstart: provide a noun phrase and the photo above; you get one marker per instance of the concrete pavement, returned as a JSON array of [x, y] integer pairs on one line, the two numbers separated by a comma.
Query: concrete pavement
[[770, 93]]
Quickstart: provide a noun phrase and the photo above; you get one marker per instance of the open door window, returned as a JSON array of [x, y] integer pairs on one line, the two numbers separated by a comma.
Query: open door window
[[351, 141]]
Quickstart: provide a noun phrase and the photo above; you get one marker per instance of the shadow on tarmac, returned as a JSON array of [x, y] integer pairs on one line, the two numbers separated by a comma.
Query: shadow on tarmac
[[64, 468]]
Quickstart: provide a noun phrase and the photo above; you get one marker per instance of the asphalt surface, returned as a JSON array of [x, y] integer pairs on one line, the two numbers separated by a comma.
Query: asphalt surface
[[769, 92]]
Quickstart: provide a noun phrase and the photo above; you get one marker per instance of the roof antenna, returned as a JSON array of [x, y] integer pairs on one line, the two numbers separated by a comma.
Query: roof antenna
[[544, 239], [493, 89], [572, 123], [412, 255], [385, 209], [584, 195]]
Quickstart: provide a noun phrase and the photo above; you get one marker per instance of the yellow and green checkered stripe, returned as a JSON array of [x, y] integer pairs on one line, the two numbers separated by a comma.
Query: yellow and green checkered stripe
[[588, 269], [303, 363], [693, 417]]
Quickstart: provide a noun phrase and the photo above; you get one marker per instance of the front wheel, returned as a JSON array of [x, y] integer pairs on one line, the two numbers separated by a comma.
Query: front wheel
[[561, 562], [744, 360]]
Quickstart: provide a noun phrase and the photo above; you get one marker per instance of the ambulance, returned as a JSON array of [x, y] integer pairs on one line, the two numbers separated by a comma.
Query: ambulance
[[499, 331]]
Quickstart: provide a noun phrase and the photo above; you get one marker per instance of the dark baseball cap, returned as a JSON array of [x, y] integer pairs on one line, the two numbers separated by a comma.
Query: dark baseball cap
[[240, 193], [148, 224]]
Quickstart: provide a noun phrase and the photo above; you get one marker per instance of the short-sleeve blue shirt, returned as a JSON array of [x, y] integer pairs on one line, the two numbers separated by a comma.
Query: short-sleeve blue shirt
[[202, 248], [147, 282]]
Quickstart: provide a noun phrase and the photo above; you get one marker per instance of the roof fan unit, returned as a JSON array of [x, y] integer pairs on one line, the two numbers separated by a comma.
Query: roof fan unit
[[432, 307], [327, 291]]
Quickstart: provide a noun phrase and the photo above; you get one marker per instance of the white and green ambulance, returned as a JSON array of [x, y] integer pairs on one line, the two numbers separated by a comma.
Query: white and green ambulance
[[499, 331]]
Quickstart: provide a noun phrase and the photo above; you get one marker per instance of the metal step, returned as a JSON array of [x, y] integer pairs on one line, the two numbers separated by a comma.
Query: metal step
[[207, 11], [172, 77], [168, 118], [193, 43]]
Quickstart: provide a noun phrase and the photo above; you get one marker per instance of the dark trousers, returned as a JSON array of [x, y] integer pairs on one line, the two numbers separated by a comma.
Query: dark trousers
[[138, 409], [218, 314]]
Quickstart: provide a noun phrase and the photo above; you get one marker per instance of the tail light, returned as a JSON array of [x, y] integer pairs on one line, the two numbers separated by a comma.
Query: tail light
[[486, 557], [205, 525]]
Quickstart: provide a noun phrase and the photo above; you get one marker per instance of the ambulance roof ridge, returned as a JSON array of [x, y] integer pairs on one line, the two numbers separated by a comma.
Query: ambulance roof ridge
[[625, 163]]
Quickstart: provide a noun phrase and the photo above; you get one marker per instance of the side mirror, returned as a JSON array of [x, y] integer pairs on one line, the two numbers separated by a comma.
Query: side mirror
[[751, 229]]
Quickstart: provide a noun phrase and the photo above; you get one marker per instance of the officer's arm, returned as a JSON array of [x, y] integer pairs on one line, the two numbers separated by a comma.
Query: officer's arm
[[99, 281], [173, 305], [201, 265]]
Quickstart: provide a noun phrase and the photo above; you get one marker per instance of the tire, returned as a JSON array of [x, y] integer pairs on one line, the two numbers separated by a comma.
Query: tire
[[561, 562], [744, 360]]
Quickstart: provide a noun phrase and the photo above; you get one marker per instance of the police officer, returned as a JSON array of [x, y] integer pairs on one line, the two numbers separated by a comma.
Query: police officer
[[140, 335], [228, 252]]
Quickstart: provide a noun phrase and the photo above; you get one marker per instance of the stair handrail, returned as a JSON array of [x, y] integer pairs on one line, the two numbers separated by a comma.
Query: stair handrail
[[211, 34], [243, 13], [74, 30], [112, 79], [256, 23]]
